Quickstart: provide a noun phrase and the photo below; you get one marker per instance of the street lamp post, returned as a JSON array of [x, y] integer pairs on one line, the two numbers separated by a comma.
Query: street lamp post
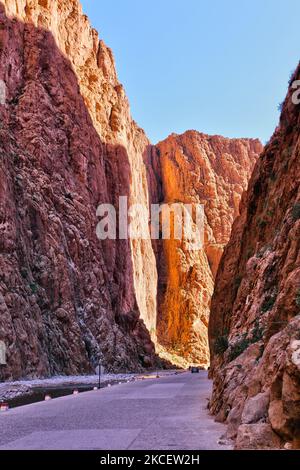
[[99, 370], [2, 355]]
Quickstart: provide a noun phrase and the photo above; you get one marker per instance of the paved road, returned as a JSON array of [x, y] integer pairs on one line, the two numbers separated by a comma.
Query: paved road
[[154, 414]]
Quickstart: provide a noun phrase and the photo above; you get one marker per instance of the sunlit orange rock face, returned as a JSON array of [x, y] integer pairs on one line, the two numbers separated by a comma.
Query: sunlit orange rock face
[[107, 104], [195, 168], [68, 143], [255, 322]]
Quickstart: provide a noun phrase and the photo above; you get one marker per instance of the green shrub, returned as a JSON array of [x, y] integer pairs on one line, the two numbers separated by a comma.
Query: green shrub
[[268, 304], [296, 211], [257, 333], [221, 344], [24, 272], [243, 343], [238, 348], [262, 223], [33, 288]]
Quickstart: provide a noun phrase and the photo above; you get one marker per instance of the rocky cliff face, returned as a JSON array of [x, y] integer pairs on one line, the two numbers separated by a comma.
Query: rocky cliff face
[[195, 168], [255, 317], [67, 143]]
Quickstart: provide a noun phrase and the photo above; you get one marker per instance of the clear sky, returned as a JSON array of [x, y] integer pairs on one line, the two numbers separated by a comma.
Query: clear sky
[[217, 66]]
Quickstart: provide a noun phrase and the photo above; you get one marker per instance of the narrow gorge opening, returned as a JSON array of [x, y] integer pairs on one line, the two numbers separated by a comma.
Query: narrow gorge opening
[[212, 171]]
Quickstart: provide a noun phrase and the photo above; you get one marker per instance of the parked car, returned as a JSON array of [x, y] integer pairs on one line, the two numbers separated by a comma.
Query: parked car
[[194, 370]]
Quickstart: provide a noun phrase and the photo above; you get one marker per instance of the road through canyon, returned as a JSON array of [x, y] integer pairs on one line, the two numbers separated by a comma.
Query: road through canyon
[[169, 413]]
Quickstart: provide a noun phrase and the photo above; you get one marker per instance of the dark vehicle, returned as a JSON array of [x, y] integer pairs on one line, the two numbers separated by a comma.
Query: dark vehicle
[[195, 370]]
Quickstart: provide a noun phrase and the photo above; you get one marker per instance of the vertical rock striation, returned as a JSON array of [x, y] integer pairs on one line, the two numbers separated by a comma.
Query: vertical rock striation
[[195, 168], [68, 143], [106, 101], [255, 318]]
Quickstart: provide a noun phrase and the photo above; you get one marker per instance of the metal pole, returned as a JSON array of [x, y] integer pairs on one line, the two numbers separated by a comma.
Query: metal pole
[[99, 375]]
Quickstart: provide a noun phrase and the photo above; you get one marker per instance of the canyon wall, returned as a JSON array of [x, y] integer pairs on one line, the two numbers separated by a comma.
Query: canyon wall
[[195, 168], [107, 104], [255, 317], [67, 144]]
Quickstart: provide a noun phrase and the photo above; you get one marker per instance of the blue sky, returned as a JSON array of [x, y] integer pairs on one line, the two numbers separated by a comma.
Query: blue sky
[[217, 66]]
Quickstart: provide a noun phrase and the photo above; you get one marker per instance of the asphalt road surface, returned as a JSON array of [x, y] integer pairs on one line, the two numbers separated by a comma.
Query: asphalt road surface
[[169, 413]]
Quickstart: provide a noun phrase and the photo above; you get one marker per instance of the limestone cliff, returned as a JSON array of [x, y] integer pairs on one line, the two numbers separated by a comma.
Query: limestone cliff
[[67, 144], [255, 317], [195, 168]]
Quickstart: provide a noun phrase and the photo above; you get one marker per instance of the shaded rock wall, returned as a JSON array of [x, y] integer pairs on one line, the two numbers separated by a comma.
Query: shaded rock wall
[[68, 143], [255, 324], [108, 106]]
